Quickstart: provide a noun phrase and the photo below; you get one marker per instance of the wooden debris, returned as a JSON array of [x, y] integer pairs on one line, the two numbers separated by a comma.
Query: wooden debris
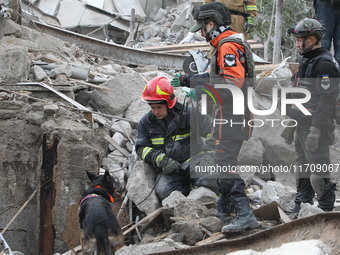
[[150, 216], [271, 211], [116, 145], [50, 59], [120, 212], [283, 216], [215, 237], [151, 222], [23, 95]]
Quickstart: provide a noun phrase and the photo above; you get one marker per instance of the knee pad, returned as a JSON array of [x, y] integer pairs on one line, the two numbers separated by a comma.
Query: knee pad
[[320, 185]]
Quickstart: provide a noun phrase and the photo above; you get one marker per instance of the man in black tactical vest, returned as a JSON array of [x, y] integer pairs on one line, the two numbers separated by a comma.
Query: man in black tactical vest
[[317, 72]]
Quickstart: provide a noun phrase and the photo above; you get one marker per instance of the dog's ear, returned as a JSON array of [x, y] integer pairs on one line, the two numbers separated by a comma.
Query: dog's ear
[[107, 176], [90, 175]]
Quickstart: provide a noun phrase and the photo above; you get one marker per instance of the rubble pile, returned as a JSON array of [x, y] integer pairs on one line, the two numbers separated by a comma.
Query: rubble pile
[[53, 93]]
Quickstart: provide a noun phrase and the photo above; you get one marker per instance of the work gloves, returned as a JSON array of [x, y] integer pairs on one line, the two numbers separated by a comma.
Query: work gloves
[[313, 139], [288, 133], [207, 159], [168, 165], [176, 81], [190, 93], [249, 26]]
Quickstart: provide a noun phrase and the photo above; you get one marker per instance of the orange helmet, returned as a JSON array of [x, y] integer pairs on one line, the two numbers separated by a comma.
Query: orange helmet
[[159, 90]]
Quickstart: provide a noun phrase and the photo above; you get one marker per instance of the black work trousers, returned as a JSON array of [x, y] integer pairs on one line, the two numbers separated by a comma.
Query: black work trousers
[[229, 183], [314, 163]]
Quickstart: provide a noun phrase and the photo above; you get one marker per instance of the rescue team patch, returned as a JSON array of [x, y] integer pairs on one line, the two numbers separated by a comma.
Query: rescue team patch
[[325, 82], [229, 60]]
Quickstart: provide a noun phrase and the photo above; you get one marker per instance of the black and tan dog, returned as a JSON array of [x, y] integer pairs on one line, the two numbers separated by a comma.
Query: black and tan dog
[[99, 225]]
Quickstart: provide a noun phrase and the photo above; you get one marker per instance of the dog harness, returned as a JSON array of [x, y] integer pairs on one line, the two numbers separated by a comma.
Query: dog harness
[[88, 196]]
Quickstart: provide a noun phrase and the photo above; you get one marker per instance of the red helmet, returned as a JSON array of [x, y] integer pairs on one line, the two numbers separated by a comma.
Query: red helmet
[[159, 89]]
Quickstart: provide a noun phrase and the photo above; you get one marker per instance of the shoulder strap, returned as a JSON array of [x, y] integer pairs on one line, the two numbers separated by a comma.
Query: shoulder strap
[[327, 56], [250, 70]]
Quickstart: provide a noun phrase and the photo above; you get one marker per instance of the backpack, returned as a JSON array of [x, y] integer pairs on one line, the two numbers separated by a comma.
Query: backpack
[[329, 57], [250, 64]]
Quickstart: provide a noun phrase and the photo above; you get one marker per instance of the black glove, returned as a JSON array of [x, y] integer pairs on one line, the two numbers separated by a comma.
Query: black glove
[[312, 140], [288, 133], [290, 137], [168, 165], [208, 159]]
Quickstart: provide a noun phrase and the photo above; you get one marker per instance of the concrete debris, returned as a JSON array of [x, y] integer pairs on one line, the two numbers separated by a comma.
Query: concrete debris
[[147, 248], [308, 210], [212, 224], [307, 247], [139, 187], [173, 199], [115, 103], [93, 127], [252, 152], [191, 230], [190, 209], [283, 195], [203, 195]]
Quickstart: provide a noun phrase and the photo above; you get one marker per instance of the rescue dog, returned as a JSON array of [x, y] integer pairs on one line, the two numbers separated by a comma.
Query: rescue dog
[[99, 226]]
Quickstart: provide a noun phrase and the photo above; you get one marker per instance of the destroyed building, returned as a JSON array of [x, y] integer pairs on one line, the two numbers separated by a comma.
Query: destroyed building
[[70, 102]]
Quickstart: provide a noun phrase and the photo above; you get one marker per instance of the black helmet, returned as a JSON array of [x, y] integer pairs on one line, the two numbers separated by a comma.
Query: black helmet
[[307, 27], [215, 11]]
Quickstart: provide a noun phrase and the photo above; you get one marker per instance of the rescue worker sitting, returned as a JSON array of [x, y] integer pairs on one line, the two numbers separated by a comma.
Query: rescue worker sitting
[[165, 140]]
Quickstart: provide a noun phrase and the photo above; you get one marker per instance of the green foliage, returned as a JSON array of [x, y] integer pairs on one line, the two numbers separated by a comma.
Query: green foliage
[[293, 11]]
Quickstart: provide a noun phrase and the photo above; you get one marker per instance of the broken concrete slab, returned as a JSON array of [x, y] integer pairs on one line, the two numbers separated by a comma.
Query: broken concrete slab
[[120, 139], [136, 110], [190, 209], [283, 195], [8, 27], [15, 64], [277, 152], [185, 19], [118, 99], [122, 127], [8, 109], [190, 229], [203, 195], [139, 187], [307, 210], [177, 237], [38, 73], [160, 14], [173, 199], [252, 152], [19, 42], [212, 224], [117, 157], [124, 8]]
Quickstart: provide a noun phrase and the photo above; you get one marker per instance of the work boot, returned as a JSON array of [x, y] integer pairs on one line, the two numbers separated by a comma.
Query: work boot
[[296, 208], [225, 217], [244, 218]]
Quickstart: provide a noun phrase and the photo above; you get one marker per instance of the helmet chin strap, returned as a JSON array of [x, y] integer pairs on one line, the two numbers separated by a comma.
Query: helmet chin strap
[[207, 37], [309, 48]]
